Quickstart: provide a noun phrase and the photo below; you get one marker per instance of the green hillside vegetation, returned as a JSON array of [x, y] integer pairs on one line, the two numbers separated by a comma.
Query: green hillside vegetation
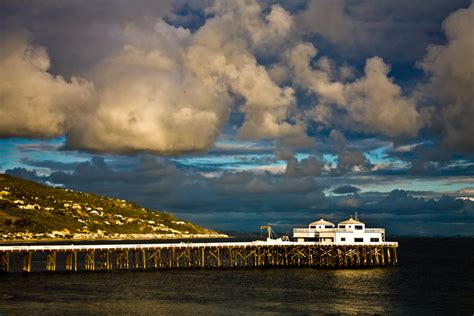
[[29, 210]]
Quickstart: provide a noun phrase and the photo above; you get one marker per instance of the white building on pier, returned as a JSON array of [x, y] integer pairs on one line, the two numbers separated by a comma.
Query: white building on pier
[[350, 231]]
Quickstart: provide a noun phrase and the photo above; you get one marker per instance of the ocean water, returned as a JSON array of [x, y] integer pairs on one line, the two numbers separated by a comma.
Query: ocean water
[[435, 276]]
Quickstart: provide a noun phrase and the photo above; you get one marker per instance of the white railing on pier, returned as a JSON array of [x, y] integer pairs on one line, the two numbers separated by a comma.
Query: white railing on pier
[[337, 230], [98, 247], [375, 230]]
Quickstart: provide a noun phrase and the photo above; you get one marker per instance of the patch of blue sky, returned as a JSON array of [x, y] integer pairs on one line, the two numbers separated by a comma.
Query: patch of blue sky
[[301, 156], [241, 162], [379, 155], [225, 162], [330, 158], [431, 185], [13, 150], [231, 145], [9, 152]]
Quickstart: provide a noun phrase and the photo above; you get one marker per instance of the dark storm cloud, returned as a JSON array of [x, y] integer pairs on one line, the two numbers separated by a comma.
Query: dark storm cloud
[[24, 174], [396, 30], [430, 160], [78, 33], [310, 166], [259, 198], [159, 184], [401, 203], [345, 189], [347, 159], [50, 164]]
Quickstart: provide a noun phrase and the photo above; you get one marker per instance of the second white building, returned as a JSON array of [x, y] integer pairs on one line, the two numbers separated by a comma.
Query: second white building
[[350, 231]]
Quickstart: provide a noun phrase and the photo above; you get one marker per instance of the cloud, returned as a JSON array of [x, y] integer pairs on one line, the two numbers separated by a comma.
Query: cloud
[[159, 184], [250, 199], [50, 164], [450, 69], [149, 101], [327, 18], [395, 30], [35, 103], [38, 147], [162, 88], [345, 189], [24, 174], [370, 104], [77, 26], [310, 166], [222, 52], [399, 202], [347, 159], [166, 90]]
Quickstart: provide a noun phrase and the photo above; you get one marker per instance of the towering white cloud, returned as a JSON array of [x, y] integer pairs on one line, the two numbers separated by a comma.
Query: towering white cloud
[[34, 102], [171, 91], [451, 71], [149, 101], [371, 104], [222, 52]]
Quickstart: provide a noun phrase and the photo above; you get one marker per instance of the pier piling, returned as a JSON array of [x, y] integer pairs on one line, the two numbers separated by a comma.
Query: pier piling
[[5, 262], [51, 261], [26, 267]]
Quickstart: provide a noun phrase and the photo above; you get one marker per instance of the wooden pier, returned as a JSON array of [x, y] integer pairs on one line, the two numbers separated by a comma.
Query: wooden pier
[[122, 257]]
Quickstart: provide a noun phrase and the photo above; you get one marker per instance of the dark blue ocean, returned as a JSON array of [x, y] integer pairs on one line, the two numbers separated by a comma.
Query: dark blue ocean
[[435, 276]]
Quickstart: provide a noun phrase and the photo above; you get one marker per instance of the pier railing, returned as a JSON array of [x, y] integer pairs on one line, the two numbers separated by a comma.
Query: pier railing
[[199, 255], [338, 230]]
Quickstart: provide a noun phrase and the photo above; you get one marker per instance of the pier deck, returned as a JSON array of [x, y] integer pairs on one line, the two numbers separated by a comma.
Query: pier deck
[[108, 257]]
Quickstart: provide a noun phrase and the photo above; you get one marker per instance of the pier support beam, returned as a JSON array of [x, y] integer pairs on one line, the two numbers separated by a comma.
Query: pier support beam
[[122, 261], [389, 261], [26, 267], [139, 260], [90, 261], [4, 262], [105, 261], [51, 261], [395, 259], [71, 261]]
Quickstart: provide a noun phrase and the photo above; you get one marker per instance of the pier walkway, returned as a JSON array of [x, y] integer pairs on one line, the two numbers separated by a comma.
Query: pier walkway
[[270, 253]]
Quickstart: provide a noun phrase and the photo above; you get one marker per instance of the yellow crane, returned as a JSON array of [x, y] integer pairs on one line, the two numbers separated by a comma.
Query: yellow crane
[[269, 230]]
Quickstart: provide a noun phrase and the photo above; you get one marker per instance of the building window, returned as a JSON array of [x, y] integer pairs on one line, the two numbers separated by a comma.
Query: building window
[[342, 226], [343, 238], [313, 227], [374, 240], [328, 226], [358, 239], [358, 227], [326, 239]]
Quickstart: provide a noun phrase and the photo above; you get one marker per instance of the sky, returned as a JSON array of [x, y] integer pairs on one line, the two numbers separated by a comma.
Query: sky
[[236, 114]]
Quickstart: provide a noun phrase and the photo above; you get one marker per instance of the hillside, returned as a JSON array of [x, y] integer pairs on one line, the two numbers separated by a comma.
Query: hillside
[[31, 211]]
